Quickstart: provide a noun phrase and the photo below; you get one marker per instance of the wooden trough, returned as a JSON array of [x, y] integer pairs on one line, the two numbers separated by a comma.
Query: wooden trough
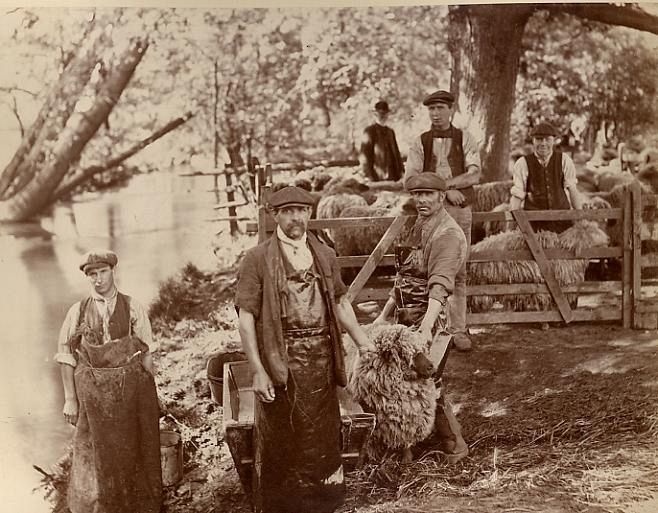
[[238, 422]]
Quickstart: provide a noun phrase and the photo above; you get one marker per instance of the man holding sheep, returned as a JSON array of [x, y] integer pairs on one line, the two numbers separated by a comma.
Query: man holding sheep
[[452, 154], [291, 305], [427, 266], [545, 179]]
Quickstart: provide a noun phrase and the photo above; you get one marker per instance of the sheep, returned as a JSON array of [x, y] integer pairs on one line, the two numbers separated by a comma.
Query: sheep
[[489, 195], [362, 240], [583, 234], [395, 383]]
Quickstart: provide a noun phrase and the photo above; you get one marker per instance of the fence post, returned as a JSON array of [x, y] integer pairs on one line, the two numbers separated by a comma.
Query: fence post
[[627, 260], [636, 193]]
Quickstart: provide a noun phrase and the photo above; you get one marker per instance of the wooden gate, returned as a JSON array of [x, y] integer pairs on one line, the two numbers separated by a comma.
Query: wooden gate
[[630, 310]]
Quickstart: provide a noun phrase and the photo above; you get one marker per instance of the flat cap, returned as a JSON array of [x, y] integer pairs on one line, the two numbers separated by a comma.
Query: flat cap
[[383, 106], [291, 195], [439, 97], [543, 129], [98, 258], [425, 182]]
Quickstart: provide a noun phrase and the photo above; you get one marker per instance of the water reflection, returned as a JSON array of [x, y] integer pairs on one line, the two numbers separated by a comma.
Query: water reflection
[[155, 226]]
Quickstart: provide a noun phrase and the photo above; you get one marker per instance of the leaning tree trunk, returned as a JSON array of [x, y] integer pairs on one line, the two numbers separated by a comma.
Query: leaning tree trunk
[[55, 111], [485, 44], [45, 175]]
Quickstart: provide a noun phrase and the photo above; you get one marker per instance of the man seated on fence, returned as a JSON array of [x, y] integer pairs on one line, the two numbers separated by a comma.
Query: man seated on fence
[[291, 303], [545, 180], [426, 268]]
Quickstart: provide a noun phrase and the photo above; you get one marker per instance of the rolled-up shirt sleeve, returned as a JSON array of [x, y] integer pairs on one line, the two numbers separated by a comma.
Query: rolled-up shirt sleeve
[[141, 325], [471, 152], [445, 257], [415, 159], [248, 294], [69, 325], [569, 172], [520, 178]]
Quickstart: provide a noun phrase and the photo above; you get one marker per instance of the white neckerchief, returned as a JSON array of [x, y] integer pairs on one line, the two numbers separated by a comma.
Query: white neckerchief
[[297, 251], [105, 306]]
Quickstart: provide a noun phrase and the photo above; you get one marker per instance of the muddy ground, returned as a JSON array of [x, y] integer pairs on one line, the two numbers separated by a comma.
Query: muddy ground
[[558, 420]]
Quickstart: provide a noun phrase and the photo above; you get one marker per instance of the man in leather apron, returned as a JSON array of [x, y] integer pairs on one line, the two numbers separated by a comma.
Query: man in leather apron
[[104, 351], [453, 154], [291, 304], [426, 266], [545, 180]]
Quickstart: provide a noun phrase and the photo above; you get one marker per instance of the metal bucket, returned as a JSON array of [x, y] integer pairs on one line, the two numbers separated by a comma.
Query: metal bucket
[[215, 372], [171, 457]]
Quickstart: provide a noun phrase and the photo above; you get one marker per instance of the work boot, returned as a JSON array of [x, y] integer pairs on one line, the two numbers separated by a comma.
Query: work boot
[[448, 432], [462, 341]]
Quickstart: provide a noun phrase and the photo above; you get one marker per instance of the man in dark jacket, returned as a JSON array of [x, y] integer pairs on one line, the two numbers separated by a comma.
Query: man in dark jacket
[[291, 307], [380, 155]]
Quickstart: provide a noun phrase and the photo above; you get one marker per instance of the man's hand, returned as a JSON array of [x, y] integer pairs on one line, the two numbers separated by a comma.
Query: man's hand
[[263, 387], [71, 411], [455, 197]]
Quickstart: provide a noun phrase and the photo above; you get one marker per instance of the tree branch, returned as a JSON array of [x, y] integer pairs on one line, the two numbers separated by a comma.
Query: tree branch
[[11, 89], [625, 16], [65, 189], [17, 115]]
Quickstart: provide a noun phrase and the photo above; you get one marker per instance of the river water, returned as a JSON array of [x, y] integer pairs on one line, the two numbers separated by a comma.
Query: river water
[[156, 224]]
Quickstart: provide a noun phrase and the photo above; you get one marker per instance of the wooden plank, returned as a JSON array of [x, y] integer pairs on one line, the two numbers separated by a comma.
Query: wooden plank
[[541, 288], [230, 218], [552, 254], [648, 306], [540, 215], [597, 314], [636, 289], [237, 203], [627, 263], [543, 264], [400, 223]]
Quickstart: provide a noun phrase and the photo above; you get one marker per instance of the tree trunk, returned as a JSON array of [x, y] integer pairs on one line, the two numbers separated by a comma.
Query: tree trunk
[[52, 117], [485, 45], [67, 147]]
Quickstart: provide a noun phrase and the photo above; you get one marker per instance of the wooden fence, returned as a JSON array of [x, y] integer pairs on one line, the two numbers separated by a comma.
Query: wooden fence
[[631, 310]]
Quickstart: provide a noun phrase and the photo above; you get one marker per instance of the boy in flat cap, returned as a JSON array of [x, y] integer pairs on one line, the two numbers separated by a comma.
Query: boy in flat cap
[[291, 304], [426, 269], [104, 351], [380, 155], [545, 179], [453, 154]]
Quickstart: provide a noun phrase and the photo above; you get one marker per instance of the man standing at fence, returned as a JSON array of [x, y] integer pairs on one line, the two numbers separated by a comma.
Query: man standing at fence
[[545, 179], [104, 351], [453, 155], [291, 303], [426, 267], [380, 155]]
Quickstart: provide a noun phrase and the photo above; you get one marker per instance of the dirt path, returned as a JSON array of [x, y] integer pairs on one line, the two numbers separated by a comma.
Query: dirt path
[[558, 420]]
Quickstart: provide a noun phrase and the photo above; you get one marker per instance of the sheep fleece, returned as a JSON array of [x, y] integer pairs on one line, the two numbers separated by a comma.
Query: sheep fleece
[[384, 382]]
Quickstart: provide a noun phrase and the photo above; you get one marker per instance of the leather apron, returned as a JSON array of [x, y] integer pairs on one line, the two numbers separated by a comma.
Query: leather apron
[[297, 437], [115, 466], [410, 286]]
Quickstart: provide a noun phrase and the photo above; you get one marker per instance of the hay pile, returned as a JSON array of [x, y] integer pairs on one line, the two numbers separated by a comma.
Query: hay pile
[[584, 234], [384, 382]]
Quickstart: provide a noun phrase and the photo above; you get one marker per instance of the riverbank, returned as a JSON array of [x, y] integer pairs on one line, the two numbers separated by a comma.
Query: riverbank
[[558, 420]]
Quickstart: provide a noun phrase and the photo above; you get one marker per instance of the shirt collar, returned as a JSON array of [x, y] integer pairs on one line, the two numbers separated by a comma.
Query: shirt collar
[[287, 240], [542, 161], [98, 297]]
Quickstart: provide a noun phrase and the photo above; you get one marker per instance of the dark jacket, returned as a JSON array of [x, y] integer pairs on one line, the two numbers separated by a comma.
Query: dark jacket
[[380, 154], [260, 281]]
